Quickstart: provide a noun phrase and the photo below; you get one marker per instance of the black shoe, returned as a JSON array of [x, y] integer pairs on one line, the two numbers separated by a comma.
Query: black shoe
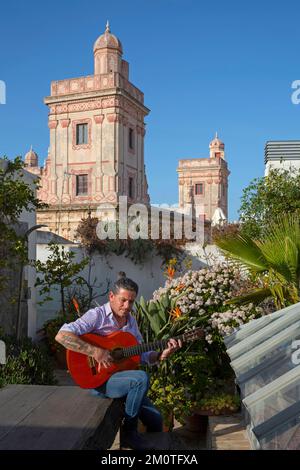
[[134, 440]]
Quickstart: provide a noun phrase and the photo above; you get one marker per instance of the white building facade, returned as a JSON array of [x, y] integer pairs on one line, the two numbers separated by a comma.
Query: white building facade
[[282, 155]]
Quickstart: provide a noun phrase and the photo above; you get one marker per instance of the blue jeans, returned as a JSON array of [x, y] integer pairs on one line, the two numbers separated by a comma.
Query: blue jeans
[[133, 384]]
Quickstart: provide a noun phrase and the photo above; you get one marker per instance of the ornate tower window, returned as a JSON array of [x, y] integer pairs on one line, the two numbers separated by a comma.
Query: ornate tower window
[[131, 138], [81, 134], [81, 185], [199, 189], [130, 187]]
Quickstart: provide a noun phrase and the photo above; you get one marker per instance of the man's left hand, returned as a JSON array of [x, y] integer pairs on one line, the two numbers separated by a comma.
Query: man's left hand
[[172, 346]]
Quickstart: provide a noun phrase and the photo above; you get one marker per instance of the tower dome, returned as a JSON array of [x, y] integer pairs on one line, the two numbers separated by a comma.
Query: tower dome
[[107, 53], [216, 148], [31, 158], [216, 142], [108, 40]]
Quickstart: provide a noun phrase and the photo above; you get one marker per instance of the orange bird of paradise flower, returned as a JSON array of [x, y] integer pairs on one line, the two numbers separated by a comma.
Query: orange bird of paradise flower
[[76, 305], [179, 287], [171, 272], [176, 313]]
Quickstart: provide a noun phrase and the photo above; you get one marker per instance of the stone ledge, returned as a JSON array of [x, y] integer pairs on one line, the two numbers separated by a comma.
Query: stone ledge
[[46, 417]]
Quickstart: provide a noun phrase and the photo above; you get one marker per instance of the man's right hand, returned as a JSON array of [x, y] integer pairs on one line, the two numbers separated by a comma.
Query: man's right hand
[[74, 343], [103, 357]]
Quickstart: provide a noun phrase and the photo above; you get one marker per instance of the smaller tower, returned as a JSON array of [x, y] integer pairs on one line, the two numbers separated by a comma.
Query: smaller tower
[[216, 148], [31, 158], [203, 183], [32, 162], [108, 53]]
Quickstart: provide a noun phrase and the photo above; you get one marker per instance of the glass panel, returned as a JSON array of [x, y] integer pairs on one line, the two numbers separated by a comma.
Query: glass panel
[[269, 370], [199, 188], [81, 184], [81, 134], [265, 332], [264, 351], [85, 133], [255, 325], [286, 436], [274, 397]]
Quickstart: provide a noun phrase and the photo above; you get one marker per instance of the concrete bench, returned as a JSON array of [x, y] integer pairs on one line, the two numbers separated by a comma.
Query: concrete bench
[[56, 417]]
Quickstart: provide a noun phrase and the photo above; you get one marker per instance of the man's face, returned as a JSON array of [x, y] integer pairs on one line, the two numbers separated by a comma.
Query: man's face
[[122, 302]]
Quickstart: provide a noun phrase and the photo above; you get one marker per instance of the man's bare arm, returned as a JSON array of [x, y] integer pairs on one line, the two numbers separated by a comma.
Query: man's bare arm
[[74, 343], [71, 341]]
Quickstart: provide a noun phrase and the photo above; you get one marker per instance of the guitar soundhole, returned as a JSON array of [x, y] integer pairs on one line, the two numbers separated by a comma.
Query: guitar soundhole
[[117, 354]]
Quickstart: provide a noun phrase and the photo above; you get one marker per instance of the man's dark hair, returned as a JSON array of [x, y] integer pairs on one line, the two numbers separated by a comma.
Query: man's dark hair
[[124, 282]]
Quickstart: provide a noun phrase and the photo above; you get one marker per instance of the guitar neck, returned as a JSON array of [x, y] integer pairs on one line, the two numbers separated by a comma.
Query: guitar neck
[[144, 347]]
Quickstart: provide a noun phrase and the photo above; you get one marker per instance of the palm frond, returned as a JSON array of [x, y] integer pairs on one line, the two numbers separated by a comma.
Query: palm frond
[[281, 246], [244, 250], [255, 296], [275, 258], [292, 258]]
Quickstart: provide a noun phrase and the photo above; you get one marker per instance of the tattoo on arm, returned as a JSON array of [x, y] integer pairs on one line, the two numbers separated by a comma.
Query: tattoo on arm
[[76, 344]]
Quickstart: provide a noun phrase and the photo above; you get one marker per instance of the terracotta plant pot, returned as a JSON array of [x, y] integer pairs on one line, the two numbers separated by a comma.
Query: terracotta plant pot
[[196, 423], [168, 423]]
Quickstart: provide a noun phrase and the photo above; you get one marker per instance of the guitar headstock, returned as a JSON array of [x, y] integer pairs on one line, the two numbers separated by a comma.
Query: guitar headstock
[[193, 334]]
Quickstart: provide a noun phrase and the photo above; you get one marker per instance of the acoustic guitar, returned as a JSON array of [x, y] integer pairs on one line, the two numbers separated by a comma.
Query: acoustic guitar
[[125, 351]]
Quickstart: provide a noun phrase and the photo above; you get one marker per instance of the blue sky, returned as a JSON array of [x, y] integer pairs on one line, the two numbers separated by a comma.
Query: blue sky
[[203, 66]]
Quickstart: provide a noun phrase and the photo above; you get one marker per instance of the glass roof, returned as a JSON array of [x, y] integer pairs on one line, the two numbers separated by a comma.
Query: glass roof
[[265, 331], [255, 325], [265, 356], [266, 349]]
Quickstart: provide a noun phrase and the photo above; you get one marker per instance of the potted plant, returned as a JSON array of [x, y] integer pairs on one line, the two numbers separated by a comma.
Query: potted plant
[[172, 401]]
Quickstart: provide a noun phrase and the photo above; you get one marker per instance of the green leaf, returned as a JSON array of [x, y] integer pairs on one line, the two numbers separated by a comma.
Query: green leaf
[[142, 302], [244, 250], [256, 296]]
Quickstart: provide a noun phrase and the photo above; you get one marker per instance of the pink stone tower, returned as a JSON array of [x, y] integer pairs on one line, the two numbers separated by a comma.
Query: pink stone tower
[[203, 183], [96, 150]]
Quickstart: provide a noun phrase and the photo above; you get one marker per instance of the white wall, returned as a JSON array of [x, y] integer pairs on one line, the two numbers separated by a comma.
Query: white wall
[[281, 165], [149, 277]]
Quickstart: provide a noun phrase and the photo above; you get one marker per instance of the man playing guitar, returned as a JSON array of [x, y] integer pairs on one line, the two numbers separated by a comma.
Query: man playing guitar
[[109, 318]]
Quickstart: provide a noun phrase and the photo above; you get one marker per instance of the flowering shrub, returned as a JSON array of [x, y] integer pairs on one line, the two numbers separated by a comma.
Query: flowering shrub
[[203, 298], [226, 322], [201, 370], [208, 286]]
